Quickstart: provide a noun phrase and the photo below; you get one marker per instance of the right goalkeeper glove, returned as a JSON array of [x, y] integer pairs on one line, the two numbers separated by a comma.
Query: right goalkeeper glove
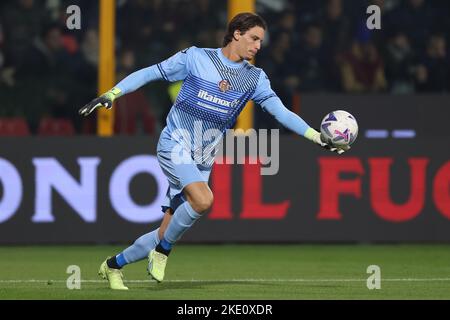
[[316, 137], [105, 100]]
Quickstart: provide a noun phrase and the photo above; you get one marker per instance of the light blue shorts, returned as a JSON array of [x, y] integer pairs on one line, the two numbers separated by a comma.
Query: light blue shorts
[[178, 175]]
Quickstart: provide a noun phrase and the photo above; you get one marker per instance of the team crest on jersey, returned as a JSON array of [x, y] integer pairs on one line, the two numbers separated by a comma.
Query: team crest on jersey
[[224, 85]]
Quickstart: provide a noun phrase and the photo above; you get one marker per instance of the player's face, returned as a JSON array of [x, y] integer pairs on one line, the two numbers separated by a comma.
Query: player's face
[[250, 42]]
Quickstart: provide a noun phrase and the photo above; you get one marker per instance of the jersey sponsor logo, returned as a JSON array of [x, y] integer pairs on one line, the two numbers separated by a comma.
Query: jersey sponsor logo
[[224, 85], [204, 95]]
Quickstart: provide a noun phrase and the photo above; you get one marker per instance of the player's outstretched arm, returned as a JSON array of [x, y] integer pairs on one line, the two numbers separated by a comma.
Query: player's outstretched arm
[[270, 102], [171, 69], [131, 83], [294, 123]]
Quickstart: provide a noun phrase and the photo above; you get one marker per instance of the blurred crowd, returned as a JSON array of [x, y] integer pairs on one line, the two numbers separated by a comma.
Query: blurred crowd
[[49, 71]]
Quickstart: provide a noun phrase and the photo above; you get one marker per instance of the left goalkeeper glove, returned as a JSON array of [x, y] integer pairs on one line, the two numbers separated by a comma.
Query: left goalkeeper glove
[[105, 100], [315, 137]]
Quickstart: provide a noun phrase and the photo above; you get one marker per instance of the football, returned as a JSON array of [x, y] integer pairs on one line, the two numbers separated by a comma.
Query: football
[[339, 128]]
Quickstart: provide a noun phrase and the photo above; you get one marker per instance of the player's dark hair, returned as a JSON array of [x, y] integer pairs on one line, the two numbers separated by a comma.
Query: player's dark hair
[[243, 22]]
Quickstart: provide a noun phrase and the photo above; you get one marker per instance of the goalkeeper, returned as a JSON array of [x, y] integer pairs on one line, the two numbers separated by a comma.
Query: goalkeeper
[[217, 83]]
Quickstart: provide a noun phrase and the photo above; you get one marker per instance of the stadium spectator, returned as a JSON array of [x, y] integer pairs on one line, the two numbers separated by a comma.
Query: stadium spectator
[[23, 20], [2, 46], [6, 72], [433, 72], [414, 17], [311, 61], [139, 21], [399, 63], [336, 27], [41, 75], [53, 78], [89, 47], [287, 23], [133, 114], [276, 60], [46, 53], [362, 69], [307, 12]]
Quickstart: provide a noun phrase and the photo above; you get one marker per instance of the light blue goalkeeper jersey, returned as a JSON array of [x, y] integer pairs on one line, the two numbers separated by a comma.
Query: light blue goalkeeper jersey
[[214, 92]]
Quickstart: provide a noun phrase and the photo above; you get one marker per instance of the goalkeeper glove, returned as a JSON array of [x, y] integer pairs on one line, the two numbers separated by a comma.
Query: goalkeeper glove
[[105, 100], [316, 137]]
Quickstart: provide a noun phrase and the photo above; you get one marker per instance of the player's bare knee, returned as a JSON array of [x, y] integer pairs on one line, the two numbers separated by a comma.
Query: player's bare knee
[[203, 203]]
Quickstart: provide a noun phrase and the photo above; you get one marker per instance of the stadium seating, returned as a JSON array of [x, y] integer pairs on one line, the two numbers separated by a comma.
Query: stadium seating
[[133, 115], [55, 127], [14, 127]]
